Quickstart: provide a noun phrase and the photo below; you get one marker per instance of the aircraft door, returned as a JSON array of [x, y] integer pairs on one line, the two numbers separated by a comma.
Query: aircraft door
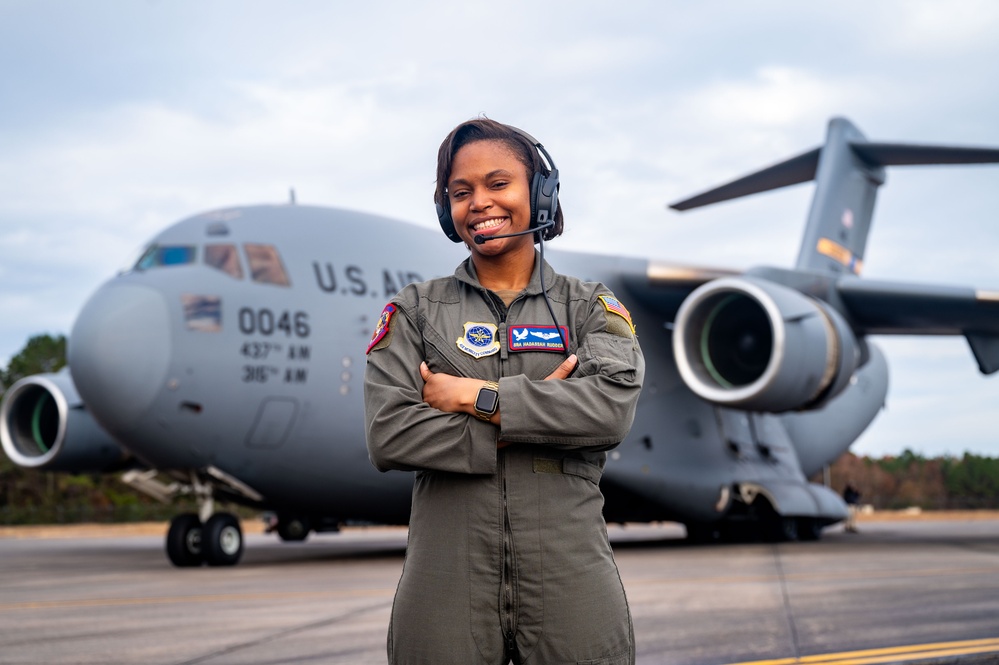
[[273, 423]]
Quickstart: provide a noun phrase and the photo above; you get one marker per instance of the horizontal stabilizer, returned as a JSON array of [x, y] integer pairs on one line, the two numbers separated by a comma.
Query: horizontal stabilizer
[[986, 350], [899, 154], [789, 172]]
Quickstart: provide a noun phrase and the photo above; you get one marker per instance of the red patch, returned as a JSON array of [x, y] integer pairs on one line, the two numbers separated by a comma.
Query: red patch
[[382, 328]]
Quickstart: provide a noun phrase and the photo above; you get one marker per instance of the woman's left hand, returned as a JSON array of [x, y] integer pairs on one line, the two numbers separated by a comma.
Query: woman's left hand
[[452, 394]]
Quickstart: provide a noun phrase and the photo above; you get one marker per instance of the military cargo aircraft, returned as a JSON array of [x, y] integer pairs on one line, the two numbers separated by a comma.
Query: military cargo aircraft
[[226, 364]]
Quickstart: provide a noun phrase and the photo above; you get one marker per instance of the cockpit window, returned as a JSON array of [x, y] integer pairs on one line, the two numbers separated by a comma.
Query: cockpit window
[[265, 264], [166, 255], [224, 258]]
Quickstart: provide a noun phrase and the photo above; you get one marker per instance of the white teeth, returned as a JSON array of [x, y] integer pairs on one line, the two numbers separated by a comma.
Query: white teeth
[[487, 224]]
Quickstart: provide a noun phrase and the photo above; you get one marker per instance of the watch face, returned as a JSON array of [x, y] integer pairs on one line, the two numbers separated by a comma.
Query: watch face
[[486, 400]]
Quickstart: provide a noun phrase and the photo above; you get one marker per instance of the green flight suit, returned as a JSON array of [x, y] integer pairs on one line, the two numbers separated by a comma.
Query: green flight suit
[[508, 555]]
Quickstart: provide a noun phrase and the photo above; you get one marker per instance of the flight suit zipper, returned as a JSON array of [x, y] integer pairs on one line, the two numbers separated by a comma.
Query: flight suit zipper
[[507, 600]]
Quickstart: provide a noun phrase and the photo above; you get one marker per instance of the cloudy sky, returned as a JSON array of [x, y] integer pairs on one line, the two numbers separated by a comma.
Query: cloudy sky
[[119, 117]]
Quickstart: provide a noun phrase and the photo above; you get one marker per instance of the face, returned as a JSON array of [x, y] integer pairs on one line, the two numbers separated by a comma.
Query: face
[[490, 195]]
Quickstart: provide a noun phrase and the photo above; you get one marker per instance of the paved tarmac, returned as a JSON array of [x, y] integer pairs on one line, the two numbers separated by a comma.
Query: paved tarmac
[[931, 586]]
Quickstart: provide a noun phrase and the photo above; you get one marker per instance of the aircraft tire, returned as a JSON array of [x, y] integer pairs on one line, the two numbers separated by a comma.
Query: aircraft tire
[[184, 541], [809, 528], [703, 532], [786, 530], [222, 540], [293, 529]]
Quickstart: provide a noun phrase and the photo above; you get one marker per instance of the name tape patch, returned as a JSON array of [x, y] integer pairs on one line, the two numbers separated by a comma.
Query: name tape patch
[[536, 338]]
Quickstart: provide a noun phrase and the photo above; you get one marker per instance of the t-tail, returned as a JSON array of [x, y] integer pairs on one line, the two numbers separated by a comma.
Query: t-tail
[[847, 170]]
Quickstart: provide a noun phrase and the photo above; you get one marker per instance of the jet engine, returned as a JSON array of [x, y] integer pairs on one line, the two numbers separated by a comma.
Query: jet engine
[[751, 344], [44, 425]]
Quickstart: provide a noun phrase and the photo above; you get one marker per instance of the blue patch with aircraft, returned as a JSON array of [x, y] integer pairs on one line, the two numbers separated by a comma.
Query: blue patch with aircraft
[[479, 339], [537, 338]]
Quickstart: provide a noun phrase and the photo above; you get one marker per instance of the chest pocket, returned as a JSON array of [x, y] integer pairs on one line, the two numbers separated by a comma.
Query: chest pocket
[[443, 355]]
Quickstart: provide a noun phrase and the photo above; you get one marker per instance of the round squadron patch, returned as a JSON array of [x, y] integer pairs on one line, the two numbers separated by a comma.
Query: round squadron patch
[[382, 328], [479, 340]]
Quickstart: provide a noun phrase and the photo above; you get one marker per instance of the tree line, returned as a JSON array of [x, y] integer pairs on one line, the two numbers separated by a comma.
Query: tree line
[[31, 496], [970, 482]]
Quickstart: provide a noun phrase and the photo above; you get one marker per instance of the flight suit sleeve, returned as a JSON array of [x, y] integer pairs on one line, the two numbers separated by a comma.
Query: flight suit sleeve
[[595, 407], [404, 432]]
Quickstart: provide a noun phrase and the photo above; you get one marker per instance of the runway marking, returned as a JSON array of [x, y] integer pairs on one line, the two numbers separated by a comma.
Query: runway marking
[[889, 654], [837, 575], [166, 600]]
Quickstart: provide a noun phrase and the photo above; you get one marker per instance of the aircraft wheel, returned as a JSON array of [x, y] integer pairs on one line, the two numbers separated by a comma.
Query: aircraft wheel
[[183, 541], [223, 540], [703, 532], [780, 529], [809, 528], [787, 529], [293, 529]]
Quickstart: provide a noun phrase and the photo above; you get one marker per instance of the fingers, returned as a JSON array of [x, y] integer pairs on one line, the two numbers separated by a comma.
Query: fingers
[[425, 372], [565, 369]]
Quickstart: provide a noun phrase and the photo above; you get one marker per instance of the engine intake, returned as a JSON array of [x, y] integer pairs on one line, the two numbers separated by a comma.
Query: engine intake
[[44, 425], [752, 344]]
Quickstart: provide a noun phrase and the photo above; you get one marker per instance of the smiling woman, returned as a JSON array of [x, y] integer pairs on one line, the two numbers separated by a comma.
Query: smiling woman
[[503, 386]]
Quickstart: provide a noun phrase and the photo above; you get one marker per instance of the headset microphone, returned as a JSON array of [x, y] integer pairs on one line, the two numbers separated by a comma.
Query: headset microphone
[[481, 239]]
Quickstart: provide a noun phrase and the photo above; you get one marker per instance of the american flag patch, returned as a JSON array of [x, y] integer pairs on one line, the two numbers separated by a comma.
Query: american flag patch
[[614, 305]]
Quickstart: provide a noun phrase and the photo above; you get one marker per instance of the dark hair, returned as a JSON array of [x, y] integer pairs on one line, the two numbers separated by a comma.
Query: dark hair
[[484, 129]]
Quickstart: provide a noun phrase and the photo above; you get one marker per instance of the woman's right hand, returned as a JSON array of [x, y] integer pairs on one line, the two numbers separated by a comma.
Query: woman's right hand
[[565, 369]]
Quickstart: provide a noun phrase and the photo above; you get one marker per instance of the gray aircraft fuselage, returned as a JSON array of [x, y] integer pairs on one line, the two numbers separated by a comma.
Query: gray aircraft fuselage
[[189, 367]]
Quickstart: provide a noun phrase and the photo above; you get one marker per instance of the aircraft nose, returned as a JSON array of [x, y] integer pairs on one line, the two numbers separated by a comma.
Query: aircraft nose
[[119, 352]]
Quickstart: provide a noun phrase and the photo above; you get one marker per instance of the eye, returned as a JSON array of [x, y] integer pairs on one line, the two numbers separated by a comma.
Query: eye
[[459, 194], [499, 184]]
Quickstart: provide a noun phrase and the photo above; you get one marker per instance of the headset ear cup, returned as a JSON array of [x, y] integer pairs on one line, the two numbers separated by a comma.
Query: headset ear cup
[[544, 197], [536, 184], [447, 224]]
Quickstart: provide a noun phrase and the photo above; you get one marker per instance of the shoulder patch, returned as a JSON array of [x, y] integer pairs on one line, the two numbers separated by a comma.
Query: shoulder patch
[[382, 329], [614, 306]]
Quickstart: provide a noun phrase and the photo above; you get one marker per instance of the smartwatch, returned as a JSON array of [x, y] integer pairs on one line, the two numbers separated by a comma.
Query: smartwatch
[[487, 401]]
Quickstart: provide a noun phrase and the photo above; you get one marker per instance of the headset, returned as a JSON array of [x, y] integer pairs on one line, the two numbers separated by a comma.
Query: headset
[[544, 200], [544, 204]]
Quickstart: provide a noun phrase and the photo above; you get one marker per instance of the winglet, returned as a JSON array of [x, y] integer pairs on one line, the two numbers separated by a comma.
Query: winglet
[[985, 346]]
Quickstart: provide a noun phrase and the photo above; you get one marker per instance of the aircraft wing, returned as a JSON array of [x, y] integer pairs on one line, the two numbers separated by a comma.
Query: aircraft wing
[[664, 285], [898, 308]]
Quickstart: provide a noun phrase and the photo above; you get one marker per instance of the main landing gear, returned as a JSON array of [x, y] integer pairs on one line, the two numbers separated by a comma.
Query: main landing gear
[[215, 538], [217, 542]]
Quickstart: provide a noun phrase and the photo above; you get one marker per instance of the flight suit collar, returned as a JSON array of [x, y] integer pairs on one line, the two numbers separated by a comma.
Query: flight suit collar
[[465, 272]]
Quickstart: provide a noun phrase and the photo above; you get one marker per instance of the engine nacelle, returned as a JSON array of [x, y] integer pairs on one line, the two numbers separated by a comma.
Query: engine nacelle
[[44, 425], [751, 344]]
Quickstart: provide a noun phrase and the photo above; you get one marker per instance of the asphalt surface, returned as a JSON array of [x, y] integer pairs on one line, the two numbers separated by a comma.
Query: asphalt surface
[[913, 592]]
